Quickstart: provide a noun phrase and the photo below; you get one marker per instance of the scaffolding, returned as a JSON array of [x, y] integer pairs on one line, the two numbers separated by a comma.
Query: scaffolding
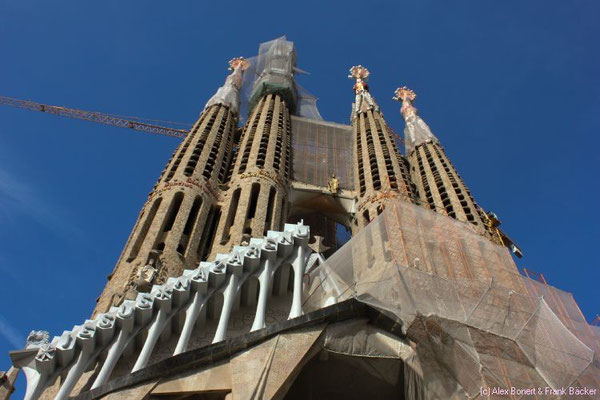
[[474, 321], [321, 149]]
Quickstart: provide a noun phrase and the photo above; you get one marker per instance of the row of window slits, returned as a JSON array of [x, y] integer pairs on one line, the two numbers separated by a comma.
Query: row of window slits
[[442, 190], [387, 156], [182, 149], [192, 225], [144, 229], [371, 153], [231, 212], [206, 241], [227, 158], [288, 136], [441, 151], [218, 110], [359, 160], [188, 141], [216, 150], [235, 150], [455, 184], [266, 134], [410, 185], [424, 182], [255, 190], [279, 141], [250, 135], [404, 168], [270, 215]]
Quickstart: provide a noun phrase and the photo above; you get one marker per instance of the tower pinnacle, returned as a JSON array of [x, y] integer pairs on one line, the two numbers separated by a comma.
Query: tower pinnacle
[[364, 101], [229, 93], [416, 131]]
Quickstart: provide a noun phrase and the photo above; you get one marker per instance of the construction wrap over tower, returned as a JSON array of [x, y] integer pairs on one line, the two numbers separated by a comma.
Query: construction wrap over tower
[[296, 258]]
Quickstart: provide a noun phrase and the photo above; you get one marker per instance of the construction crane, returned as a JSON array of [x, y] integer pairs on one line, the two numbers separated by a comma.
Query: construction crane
[[93, 116]]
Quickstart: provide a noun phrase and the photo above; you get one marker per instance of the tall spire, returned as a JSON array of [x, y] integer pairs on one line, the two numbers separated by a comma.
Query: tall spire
[[416, 131], [229, 93], [363, 100], [381, 172], [175, 228], [439, 185]]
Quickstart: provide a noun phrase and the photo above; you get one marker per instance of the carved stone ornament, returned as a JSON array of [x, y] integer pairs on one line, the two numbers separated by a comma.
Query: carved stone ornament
[[333, 185], [37, 338]]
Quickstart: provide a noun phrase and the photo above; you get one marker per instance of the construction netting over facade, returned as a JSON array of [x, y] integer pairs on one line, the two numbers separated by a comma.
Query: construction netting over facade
[[475, 322], [321, 149]]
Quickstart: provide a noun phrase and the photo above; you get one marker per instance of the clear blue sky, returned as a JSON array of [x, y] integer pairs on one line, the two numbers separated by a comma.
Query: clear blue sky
[[511, 88]]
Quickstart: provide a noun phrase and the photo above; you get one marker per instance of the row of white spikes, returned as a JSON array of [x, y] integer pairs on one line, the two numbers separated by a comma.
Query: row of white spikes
[[150, 314]]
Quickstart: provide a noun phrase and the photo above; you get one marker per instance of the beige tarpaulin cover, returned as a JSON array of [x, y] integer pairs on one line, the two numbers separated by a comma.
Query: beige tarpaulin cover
[[475, 321]]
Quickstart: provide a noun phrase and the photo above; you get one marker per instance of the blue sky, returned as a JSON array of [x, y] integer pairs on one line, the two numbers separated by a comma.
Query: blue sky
[[511, 88]]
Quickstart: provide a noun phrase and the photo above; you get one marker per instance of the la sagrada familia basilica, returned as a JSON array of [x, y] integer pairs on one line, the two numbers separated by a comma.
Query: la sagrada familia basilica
[[296, 258]]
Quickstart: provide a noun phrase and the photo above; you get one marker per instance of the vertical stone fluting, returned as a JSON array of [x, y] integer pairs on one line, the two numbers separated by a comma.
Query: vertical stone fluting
[[257, 194], [255, 200], [381, 173], [173, 230], [439, 186]]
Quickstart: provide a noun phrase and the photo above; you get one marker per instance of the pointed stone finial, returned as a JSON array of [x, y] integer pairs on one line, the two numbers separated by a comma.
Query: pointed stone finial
[[416, 131], [364, 101], [229, 93]]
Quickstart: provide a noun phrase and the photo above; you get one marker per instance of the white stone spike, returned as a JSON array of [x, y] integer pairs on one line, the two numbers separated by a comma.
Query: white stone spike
[[86, 344], [162, 299], [301, 237], [199, 286], [125, 320], [234, 264], [298, 267], [147, 317], [65, 347], [228, 297], [268, 254], [36, 383]]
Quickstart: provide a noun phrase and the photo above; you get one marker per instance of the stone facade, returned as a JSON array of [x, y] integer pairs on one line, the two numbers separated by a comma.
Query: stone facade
[[171, 232], [218, 190], [228, 195]]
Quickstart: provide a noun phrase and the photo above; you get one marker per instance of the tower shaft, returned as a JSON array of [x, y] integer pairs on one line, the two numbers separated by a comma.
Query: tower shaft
[[381, 173], [439, 186], [175, 227], [256, 199]]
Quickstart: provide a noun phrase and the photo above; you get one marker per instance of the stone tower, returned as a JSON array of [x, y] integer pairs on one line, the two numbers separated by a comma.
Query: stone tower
[[256, 200], [439, 186], [381, 173], [175, 228]]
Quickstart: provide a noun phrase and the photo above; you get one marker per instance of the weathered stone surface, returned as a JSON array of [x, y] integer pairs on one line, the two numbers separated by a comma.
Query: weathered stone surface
[[137, 392], [214, 378], [264, 371]]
